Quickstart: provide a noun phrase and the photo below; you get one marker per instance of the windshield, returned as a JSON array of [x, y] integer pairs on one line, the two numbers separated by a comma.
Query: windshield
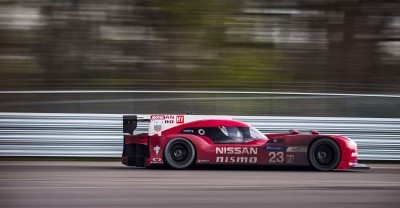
[[238, 134], [255, 134]]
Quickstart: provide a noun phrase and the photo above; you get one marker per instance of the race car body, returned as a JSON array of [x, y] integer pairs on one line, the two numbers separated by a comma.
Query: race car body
[[181, 141]]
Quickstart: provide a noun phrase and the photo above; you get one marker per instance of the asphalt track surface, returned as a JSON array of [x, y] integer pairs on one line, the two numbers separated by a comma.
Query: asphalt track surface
[[110, 184]]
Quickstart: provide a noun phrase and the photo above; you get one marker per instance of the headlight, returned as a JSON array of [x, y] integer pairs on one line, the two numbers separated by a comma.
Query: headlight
[[352, 143]]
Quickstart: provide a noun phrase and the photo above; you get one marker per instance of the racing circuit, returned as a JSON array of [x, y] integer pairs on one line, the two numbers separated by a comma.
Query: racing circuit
[[180, 104], [110, 184]]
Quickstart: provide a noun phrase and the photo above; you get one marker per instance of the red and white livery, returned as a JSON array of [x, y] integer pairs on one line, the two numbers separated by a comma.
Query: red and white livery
[[181, 141]]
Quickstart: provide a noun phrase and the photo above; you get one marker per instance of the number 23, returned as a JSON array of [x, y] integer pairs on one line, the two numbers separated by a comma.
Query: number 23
[[275, 157]]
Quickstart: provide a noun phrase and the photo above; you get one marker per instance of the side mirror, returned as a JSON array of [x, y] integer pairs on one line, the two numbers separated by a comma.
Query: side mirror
[[293, 131], [314, 132]]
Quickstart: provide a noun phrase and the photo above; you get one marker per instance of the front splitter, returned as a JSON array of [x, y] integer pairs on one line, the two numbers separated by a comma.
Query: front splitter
[[360, 167]]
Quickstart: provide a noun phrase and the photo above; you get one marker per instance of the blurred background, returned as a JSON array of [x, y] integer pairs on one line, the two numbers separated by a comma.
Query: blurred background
[[327, 45], [69, 70], [341, 46]]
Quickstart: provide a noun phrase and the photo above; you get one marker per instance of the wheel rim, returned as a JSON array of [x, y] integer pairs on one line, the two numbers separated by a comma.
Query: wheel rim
[[324, 154], [179, 152]]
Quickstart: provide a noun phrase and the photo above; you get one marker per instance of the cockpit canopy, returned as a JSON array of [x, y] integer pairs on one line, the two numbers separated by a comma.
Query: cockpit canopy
[[227, 134]]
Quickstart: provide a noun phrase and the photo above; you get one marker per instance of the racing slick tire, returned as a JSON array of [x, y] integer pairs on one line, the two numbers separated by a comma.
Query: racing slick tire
[[179, 153], [324, 154]]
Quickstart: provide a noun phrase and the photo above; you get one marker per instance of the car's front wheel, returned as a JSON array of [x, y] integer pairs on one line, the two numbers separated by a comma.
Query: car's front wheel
[[179, 153], [324, 154]]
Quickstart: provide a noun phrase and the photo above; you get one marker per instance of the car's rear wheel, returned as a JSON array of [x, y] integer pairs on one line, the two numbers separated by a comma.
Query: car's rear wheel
[[324, 154], [179, 153]]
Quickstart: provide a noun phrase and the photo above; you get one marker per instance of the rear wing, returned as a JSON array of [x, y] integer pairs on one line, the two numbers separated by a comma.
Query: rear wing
[[130, 123]]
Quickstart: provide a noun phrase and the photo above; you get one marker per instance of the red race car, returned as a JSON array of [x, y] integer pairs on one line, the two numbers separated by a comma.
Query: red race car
[[181, 141]]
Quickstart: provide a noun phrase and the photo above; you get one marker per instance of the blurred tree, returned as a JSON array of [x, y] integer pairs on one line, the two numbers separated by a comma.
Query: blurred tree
[[327, 45], [65, 40], [354, 31], [196, 34]]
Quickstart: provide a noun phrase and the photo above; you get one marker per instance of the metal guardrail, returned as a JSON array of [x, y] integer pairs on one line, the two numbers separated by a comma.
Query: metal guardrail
[[100, 135], [248, 103]]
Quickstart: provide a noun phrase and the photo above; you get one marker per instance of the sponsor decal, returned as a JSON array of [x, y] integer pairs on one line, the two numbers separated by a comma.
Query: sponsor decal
[[201, 132], [169, 119], [274, 148], [289, 158], [296, 149], [156, 149], [180, 119], [157, 128], [157, 117], [188, 131], [275, 140], [203, 161], [236, 151], [156, 161], [221, 159]]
